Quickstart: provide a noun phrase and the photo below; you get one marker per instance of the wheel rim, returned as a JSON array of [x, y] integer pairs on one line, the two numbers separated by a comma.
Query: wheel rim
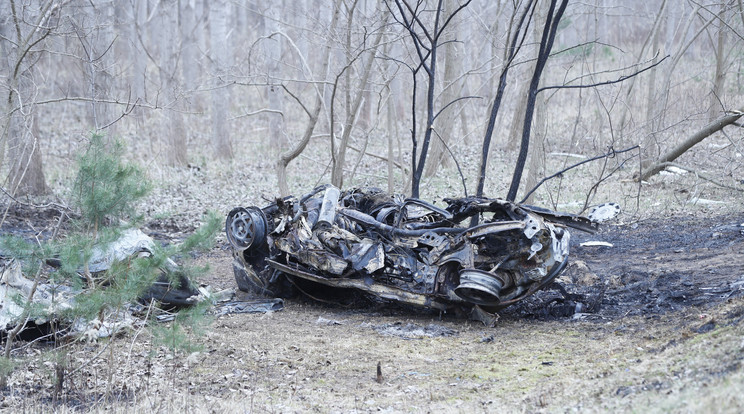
[[246, 227], [479, 287]]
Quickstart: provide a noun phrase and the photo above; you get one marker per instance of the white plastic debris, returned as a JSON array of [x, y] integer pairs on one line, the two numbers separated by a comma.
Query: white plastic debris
[[131, 242], [595, 243], [604, 212], [675, 170], [15, 290]]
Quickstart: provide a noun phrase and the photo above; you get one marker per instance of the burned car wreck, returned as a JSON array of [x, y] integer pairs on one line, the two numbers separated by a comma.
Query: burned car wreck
[[475, 254]]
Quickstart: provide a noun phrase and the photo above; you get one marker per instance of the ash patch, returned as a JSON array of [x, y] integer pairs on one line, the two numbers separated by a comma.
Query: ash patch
[[654, 267], [413, 331], [661, 265]]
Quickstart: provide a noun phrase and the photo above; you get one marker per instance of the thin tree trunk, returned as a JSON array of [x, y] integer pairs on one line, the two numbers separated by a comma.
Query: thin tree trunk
[[546, 45], [720, 77], [289, 155], [26, 169], [445, 123], [273, 52], [190, 28], [509, 53], [172, 129], [650, 145], [96, 32], [661, 101], [631, 82], [337, 172], [536, 165], [221, 62]]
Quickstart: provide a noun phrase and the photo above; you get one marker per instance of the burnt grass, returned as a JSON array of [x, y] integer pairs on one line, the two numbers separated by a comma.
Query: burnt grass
[[654, 266]]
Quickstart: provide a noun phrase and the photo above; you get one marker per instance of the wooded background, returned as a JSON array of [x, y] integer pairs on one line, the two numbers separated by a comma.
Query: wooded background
[[193, 82]]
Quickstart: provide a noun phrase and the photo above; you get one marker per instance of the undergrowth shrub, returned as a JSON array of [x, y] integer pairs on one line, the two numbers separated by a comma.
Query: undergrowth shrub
[[104, 196]]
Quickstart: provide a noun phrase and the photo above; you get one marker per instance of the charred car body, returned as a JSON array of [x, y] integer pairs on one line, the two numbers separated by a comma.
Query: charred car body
[[475, 253]]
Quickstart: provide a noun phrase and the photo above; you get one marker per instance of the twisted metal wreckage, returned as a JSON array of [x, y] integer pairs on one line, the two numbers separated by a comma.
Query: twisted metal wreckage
[[477, 254]]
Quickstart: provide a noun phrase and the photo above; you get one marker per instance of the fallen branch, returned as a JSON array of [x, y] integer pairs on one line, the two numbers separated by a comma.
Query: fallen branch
[[695, 138], [699, 175]]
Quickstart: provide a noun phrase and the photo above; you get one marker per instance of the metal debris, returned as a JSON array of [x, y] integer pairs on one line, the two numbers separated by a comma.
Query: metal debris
[[50, 300], [480, 252], [248, 306]]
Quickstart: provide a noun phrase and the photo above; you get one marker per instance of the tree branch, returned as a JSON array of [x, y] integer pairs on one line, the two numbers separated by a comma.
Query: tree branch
[[609, 154], [592, 85]]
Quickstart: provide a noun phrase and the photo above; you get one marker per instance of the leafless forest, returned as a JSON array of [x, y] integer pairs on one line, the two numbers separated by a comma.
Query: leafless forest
[[230, 103], [339, 91]]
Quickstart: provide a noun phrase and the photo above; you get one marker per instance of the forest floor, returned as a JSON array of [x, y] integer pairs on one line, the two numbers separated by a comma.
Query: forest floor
[[668, 334]]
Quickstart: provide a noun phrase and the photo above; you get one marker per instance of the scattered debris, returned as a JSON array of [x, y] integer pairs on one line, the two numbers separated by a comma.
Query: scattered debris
[[482, 252], [604, 212], [413, 331], [595, 243], [248, 306], [671, 169], [328, 322], [50, 300]]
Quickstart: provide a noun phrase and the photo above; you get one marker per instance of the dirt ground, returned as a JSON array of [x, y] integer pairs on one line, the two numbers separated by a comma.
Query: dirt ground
[[660, 327]]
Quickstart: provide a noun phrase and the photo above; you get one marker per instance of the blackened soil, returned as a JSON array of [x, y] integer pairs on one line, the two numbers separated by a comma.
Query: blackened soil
[[32, 222], [653, 267]]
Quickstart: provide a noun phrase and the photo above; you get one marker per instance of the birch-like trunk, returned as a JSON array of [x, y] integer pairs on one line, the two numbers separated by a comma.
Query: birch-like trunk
[[221, 62], [172, 129], [23, 28]]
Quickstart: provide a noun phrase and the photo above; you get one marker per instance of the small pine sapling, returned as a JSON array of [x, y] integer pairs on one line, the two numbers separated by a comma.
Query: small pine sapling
[[105, 193]]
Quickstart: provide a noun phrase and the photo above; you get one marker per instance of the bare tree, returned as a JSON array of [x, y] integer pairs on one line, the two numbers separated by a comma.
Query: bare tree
[[426, 36], [313, 114], [24, 27], [546, 45], [692, 140], [518, 26], [452, 87], [724, 19], [352, 109], [94, 26]]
